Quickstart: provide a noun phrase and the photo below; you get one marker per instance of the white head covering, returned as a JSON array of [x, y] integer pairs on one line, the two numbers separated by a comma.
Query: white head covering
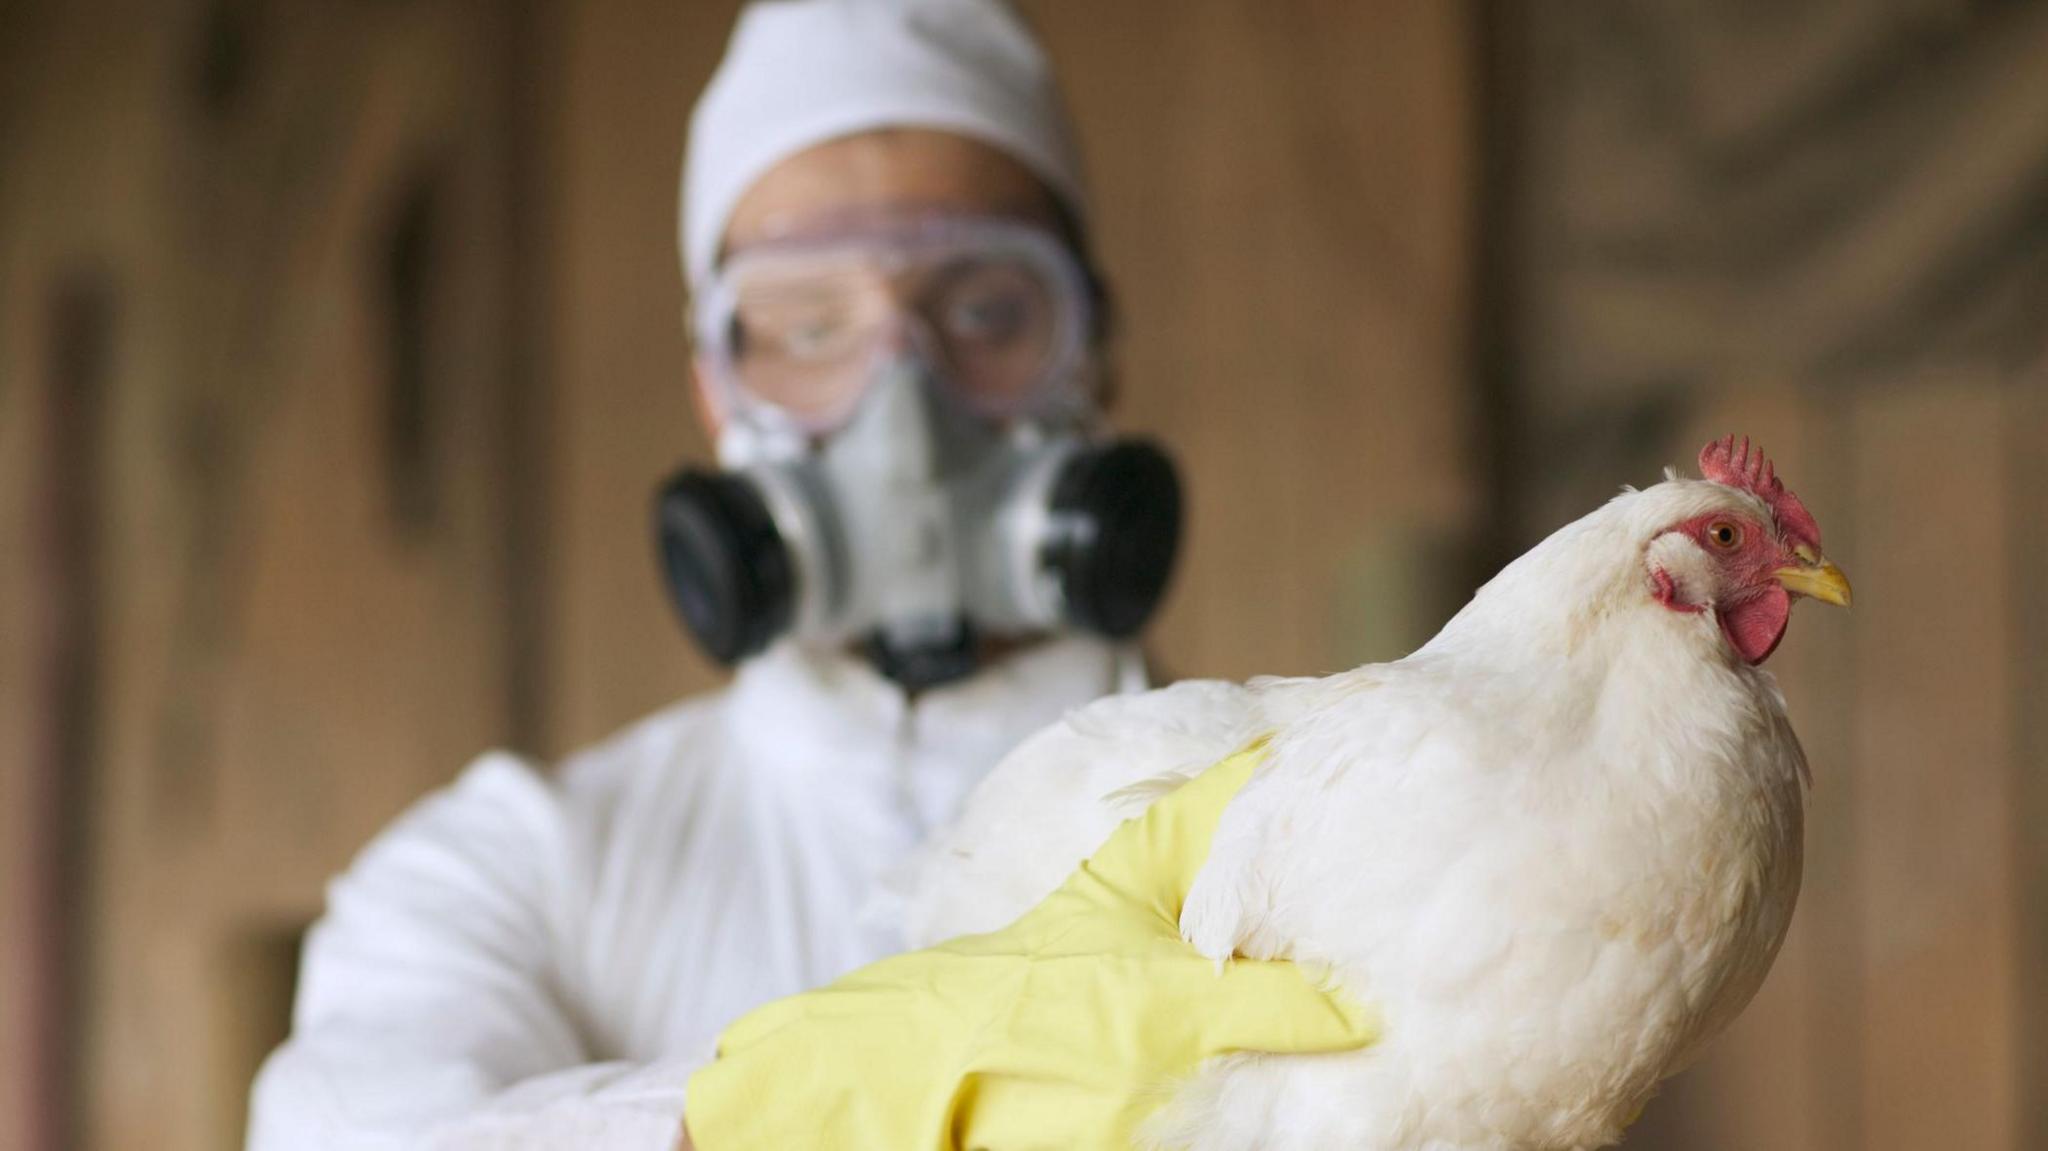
[[801, 72]]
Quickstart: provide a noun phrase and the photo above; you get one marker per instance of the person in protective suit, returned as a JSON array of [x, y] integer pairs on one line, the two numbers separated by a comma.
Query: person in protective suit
[[920, 547]]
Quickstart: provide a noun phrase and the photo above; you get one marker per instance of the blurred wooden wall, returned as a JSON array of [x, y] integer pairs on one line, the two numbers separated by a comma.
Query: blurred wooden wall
[[265, 580], [1826, 225], [343, 350]]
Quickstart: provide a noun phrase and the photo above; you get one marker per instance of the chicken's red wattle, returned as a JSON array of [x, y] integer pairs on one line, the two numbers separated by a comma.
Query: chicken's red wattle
[[1755, 625]]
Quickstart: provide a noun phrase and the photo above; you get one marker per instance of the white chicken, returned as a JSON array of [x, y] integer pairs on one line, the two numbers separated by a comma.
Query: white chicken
[[1556, 848]]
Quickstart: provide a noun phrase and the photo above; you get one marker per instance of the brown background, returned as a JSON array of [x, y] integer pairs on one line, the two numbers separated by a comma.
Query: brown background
[[340, 352]]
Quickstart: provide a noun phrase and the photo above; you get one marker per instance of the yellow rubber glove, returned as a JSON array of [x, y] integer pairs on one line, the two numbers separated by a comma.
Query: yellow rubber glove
[[1063, 1030]]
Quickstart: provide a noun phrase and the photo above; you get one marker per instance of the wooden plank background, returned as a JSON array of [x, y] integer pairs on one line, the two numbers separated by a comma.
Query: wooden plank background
[[1821, 224], [300, 216]]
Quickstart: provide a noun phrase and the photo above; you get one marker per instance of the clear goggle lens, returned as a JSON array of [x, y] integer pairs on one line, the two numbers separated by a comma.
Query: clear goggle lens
[[796, 328]]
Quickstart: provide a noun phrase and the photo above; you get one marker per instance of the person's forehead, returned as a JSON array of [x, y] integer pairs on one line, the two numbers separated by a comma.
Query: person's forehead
[[887, 173]]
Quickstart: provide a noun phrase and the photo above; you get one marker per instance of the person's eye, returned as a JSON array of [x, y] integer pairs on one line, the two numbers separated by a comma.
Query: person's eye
[[803, 333], [989, 303], [811, 336], [1724, 535], [987, 317]]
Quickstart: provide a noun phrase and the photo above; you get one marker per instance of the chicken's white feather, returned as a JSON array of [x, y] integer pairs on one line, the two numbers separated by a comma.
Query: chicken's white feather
[[1557, 848]]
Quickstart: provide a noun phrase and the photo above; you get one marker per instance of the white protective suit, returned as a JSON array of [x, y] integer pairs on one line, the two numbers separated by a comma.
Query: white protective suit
[[526, 960]]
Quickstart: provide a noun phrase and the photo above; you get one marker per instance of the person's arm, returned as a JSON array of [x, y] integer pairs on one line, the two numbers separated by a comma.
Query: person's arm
[[429, 1014], [1068, 1028]]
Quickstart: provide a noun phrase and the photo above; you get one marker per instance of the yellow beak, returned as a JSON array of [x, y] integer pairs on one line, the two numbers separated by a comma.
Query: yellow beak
[[1821, 580]]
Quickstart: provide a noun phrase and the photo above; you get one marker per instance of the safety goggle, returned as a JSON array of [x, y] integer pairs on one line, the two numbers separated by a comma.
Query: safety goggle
[[793, 330]]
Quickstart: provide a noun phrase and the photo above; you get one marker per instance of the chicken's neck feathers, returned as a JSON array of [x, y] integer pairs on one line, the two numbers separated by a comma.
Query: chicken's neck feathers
[[1567, 655], [1559, 595]]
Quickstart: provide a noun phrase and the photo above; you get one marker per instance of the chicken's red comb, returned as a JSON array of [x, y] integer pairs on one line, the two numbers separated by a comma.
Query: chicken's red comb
[[1723, 462]]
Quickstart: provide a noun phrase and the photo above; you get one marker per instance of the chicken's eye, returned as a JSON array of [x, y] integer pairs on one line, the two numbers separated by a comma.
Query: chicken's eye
[[1724, 534]]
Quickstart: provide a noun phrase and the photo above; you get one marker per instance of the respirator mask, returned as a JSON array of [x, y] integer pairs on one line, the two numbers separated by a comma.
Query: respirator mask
[[912, 466]]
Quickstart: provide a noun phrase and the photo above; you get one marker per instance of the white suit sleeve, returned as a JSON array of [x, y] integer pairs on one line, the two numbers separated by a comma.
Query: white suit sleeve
[[429, 1012]]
